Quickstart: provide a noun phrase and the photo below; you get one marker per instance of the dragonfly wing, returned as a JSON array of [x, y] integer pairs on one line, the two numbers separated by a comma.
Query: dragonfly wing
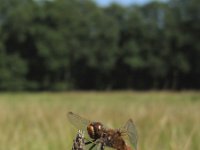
[[79, 122], [132, 132]]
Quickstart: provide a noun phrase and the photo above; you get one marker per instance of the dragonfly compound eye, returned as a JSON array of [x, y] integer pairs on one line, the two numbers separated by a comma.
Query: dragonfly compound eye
[[90, 130]]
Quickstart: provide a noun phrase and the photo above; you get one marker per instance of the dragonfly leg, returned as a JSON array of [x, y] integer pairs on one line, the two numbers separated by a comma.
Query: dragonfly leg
[[102, 146], [92, 146], [89, 142]]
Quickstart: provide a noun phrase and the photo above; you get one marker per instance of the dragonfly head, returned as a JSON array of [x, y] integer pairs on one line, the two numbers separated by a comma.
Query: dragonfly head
[[95, 130]]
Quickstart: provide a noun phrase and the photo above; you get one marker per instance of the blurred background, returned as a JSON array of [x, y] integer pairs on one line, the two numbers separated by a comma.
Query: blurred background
[[106, 60], [99, 45]]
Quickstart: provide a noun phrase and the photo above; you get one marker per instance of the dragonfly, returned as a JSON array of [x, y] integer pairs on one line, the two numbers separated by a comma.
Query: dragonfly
[[102, 136]]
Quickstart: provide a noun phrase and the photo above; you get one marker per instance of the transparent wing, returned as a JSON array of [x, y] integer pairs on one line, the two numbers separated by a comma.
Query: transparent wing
[[79, 122], [130, 128]]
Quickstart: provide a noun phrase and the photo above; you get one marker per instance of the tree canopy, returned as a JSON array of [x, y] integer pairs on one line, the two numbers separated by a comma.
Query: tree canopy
[[79, 45]]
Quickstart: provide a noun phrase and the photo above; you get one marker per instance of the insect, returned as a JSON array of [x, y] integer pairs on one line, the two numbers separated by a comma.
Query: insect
[[103, 136]]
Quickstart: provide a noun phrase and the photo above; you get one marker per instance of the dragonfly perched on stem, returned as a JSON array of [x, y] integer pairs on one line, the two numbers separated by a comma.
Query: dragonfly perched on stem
[[102, 136]]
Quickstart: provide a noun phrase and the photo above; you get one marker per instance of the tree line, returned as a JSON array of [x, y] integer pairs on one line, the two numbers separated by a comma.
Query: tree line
[[79, 45]]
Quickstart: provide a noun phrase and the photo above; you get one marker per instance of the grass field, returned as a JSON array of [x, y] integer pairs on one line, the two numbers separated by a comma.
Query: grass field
[[37, 121]]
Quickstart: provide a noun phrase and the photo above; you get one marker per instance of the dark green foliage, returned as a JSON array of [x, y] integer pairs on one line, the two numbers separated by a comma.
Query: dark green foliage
[[75, 44], [13, 70]]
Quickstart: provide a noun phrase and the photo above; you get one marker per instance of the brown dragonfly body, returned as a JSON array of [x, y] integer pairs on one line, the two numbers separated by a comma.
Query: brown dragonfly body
[[106, 137], [114, 139]]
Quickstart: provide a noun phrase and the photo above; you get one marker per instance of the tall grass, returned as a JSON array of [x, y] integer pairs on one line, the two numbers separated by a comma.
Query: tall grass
[[37, 121]]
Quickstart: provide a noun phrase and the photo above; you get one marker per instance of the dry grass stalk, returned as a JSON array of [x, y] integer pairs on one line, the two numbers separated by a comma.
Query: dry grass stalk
[[79, 142]]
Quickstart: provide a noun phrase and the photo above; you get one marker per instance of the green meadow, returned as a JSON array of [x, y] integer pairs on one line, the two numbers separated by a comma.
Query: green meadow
[[38, 121]]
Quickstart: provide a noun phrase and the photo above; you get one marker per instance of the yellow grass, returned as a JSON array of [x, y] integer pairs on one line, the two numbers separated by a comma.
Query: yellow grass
[[37, 121]]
